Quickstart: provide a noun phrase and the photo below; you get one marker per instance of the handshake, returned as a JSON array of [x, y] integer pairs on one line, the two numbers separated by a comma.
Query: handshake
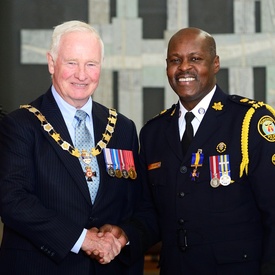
[[104, 244]]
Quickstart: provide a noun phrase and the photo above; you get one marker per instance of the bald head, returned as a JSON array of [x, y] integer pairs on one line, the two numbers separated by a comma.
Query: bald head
[[192, 65], [191, 32]]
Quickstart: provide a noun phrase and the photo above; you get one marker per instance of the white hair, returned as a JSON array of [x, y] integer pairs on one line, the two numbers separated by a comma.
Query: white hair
[[72, 26]]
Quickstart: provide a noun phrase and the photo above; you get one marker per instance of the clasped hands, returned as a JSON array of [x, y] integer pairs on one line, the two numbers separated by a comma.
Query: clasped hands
[[104, 244]]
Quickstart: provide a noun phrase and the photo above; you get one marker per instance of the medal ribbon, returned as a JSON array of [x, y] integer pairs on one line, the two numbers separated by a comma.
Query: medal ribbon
[[108, 158], [214, 167], [129, 160], [116, 159], [224, 165], [125, 156], [121, 159], [197, 159]]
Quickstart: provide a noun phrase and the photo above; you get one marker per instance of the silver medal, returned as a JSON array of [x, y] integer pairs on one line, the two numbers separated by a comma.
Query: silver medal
[[225, 180]]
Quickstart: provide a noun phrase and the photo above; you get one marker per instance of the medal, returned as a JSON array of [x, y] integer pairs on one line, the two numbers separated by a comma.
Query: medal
[[118, 173], [86, 157], [225, 180], [214, 171], [108, 161], [115, 160], [224, 165], [196, 161], [130, 164], [215, 182], [219, 170], [132, 174], [111, 171], [122, 164], [89, 174]]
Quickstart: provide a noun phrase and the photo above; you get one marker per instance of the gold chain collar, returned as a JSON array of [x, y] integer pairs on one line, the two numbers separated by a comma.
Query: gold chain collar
[[106, 136]]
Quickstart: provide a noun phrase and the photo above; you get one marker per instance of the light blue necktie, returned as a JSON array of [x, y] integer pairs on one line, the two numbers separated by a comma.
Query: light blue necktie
[[84, 141]]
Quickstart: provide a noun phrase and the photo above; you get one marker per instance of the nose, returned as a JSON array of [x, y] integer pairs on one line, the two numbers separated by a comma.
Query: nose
[[184, 65], [80, 73]]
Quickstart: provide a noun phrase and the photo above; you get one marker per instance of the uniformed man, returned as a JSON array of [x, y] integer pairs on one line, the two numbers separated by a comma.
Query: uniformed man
[[212, 206]]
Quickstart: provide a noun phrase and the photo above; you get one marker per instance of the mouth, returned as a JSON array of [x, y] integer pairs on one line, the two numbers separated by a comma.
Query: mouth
[[186, 79], [79, 85]]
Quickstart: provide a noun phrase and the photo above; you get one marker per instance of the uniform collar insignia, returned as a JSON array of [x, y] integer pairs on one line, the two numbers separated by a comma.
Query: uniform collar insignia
[[217, 106]]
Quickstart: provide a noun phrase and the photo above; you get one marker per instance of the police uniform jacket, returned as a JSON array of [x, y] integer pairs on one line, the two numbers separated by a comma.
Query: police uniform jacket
[[44, 198], [210, 230]]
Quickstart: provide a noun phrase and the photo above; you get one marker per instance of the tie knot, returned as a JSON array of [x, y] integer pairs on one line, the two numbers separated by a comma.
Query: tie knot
[[80, 115], [189, 117]]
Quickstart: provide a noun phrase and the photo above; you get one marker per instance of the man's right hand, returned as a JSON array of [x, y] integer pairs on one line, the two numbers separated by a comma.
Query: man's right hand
[[104, 247], [116, 231]]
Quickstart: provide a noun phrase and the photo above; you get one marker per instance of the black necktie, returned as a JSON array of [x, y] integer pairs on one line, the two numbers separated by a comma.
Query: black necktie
[[188, 133]]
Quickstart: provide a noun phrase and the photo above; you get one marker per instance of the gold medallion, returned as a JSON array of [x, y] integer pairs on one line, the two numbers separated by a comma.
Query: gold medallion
[[118, 173], [132, 174]]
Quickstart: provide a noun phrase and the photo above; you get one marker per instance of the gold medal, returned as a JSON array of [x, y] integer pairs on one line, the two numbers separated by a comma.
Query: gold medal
[[132, 174], [118, 173]]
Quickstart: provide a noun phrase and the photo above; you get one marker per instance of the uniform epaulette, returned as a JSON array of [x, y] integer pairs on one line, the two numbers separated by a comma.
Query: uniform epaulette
[[246, 101], [170, 111], [253, 106]]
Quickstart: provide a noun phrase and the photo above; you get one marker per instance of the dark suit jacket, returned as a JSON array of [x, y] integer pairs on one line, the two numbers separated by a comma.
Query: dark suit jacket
[[45, 201], [205, 230]]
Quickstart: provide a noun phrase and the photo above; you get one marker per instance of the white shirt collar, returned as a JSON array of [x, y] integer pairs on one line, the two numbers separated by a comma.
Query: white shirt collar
[[199, 111], [67, 110]]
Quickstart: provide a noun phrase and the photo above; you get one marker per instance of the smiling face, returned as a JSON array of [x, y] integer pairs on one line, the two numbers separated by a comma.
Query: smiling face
[[192, 65], [76, 70]]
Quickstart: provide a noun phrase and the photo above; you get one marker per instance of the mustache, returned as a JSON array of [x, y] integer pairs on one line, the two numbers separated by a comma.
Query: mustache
[[185, 75]]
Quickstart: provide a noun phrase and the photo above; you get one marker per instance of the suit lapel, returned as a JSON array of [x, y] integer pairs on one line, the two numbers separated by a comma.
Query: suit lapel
[[100, 121], [172, 133], [211, 122]]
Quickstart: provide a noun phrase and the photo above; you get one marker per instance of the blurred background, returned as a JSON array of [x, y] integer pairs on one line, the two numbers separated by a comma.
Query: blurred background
[[135, 34]]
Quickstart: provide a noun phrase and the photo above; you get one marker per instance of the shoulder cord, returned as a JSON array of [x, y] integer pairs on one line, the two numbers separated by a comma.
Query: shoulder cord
[[245, 133]]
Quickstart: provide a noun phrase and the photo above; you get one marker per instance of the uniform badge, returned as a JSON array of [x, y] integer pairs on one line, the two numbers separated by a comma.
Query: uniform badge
[[273, 159], [266, 128], [201, 111], [217, 106], [155, 165], [221, 147]]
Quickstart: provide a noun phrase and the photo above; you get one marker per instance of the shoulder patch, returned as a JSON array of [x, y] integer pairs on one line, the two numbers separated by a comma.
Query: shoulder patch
[[266, 128]]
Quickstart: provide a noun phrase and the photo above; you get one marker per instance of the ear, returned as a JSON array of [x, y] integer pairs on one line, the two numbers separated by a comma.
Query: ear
[[216, 64], [50, 63]]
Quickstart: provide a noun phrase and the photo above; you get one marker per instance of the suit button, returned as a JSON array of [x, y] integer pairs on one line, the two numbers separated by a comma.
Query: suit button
[[245, 257], [183, 169], [181, 194], [181, 221]]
